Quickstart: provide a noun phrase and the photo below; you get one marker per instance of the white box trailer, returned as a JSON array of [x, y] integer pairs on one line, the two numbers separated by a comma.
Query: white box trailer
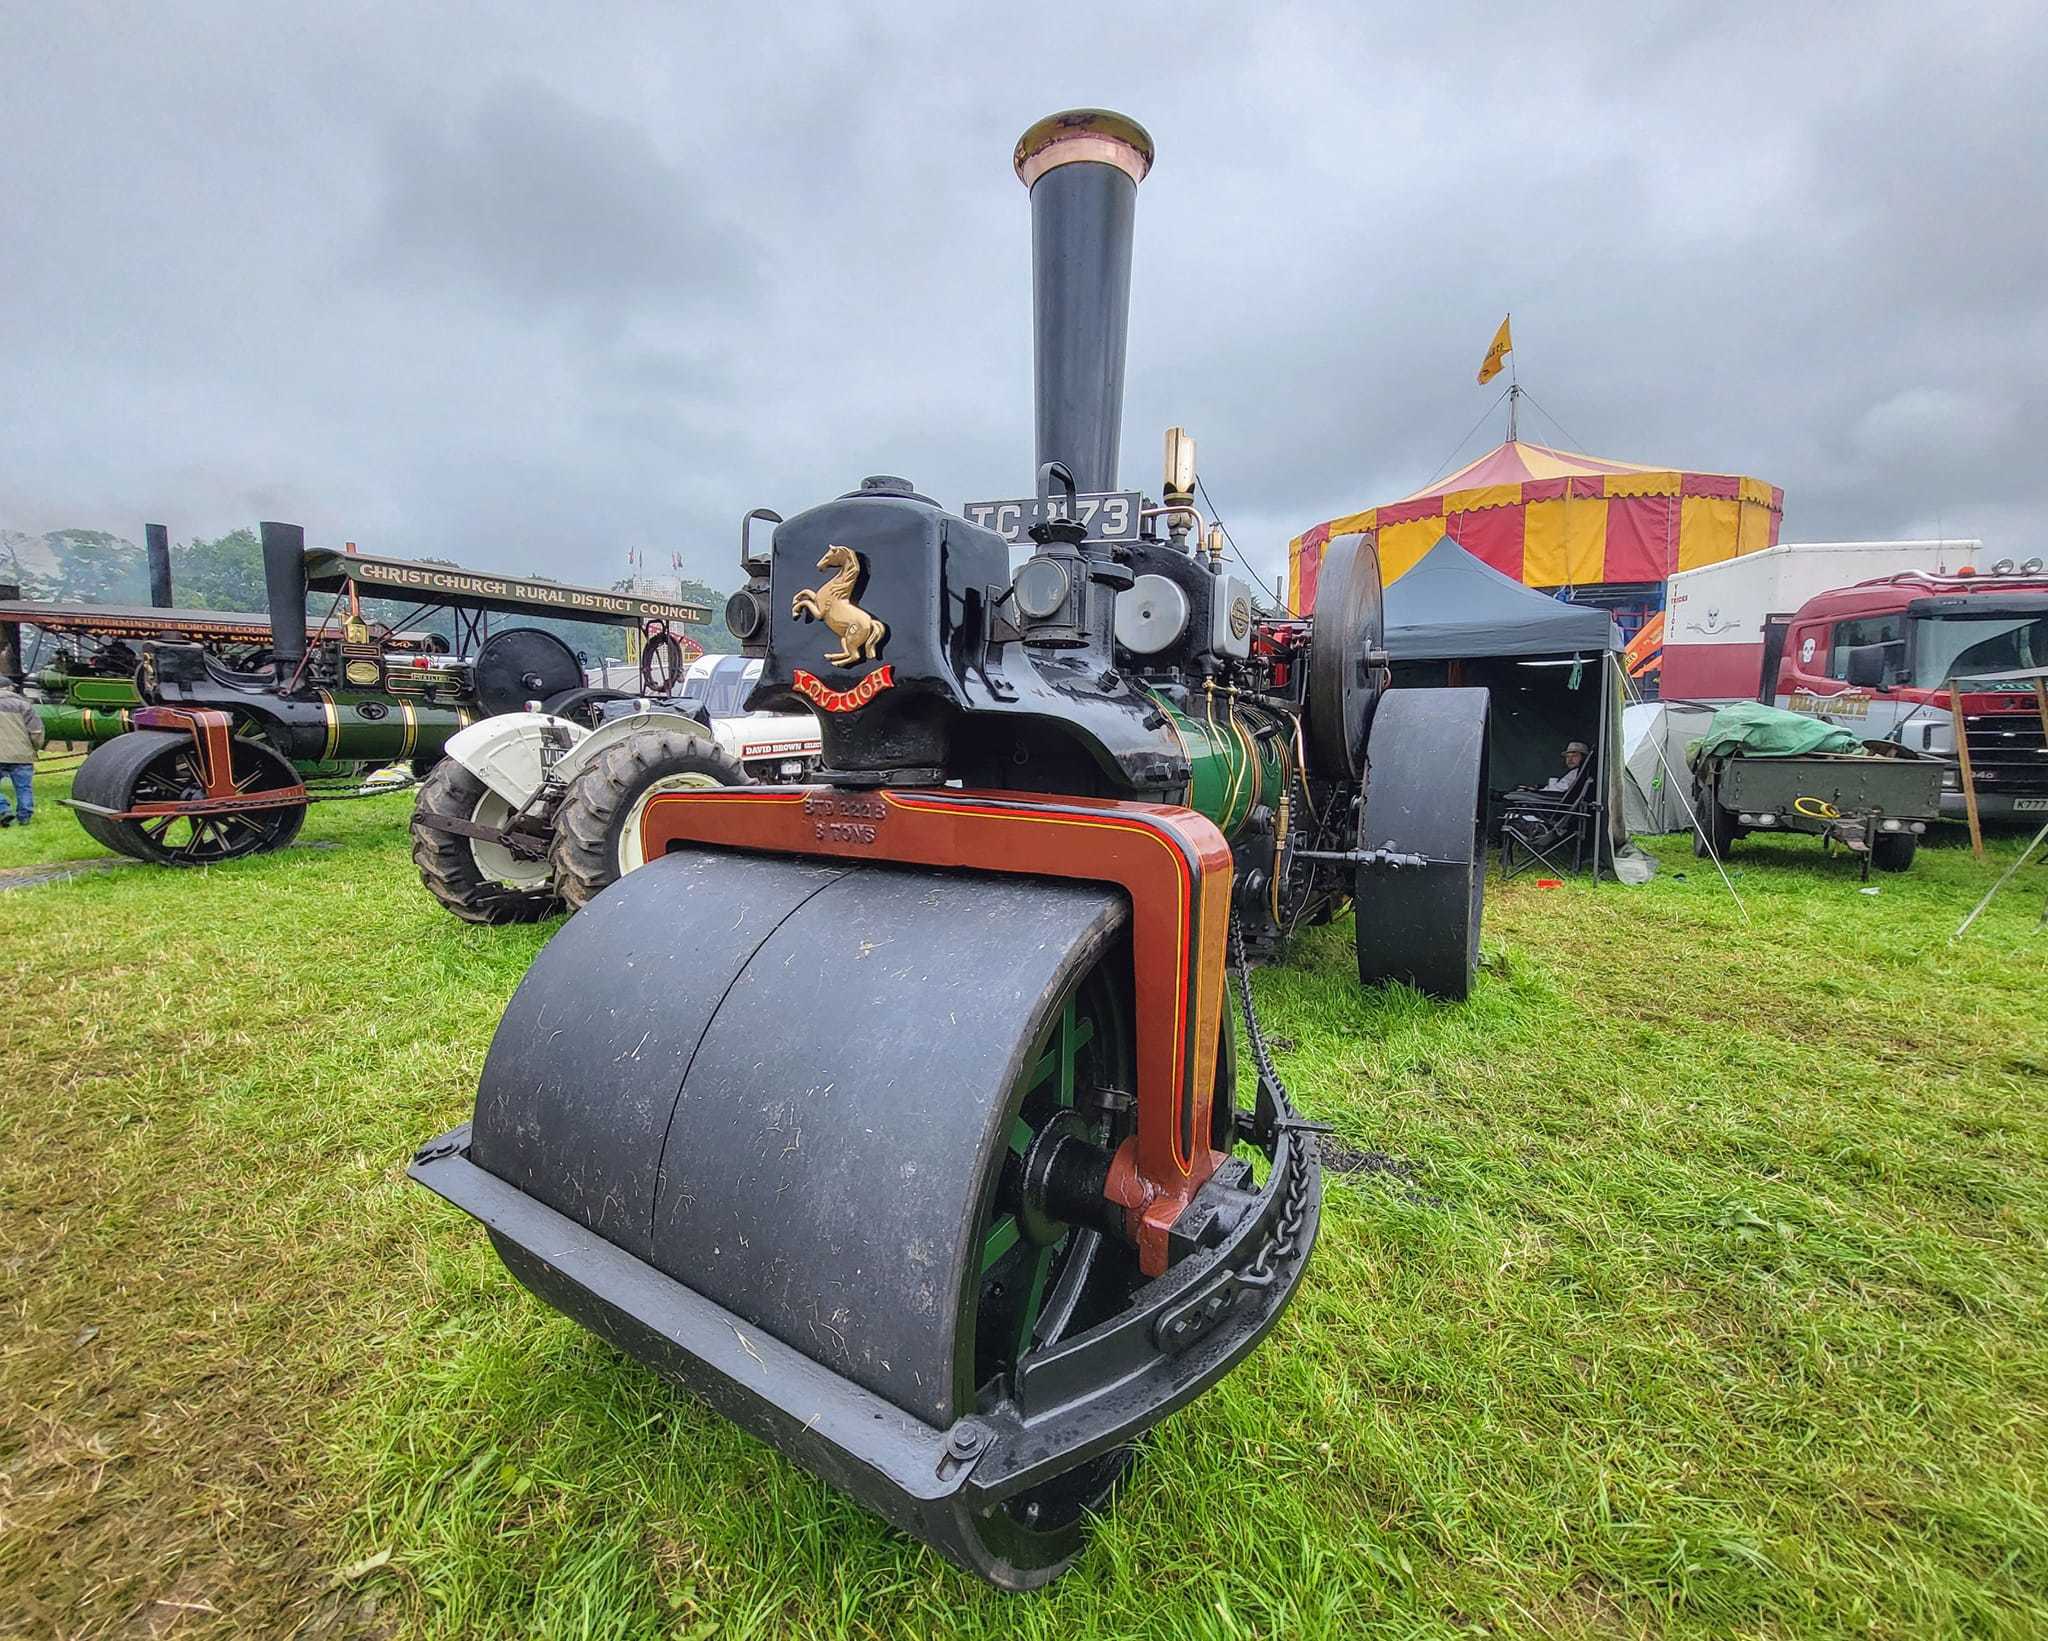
[[1714, 616]]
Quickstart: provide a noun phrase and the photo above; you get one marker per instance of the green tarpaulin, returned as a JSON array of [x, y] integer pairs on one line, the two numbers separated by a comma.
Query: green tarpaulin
[[1750, 729]]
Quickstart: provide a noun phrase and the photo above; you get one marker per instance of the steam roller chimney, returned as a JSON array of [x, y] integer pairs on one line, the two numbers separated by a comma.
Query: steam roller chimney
[[1083, 168], [284, 583], [157, 540]]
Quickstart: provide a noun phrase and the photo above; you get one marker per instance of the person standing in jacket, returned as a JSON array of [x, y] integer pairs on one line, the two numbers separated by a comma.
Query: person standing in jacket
[[21, 735]]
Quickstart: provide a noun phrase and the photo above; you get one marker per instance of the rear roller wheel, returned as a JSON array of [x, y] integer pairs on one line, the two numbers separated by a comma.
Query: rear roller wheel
[[162, 766], [479, 880], [1425, 795], [1347, 670], [597, 828]]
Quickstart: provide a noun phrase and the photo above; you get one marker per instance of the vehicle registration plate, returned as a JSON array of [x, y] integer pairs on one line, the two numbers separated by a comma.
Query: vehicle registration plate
[[1111, 515]]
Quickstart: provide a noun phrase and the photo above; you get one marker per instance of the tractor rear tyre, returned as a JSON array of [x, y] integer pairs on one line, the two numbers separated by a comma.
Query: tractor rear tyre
[[1425, 795], [479, 881], [162, 766], [597, 828], [1893, 851]]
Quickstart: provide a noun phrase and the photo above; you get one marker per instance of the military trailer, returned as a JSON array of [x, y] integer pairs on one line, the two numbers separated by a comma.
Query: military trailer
[[1876, 803], [1760, 768]]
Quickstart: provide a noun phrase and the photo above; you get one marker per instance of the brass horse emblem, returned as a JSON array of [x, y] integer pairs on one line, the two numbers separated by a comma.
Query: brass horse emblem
[[860, 635]]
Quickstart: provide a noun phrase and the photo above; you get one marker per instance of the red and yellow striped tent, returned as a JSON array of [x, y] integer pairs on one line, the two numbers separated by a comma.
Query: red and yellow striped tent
[[1553, 518]]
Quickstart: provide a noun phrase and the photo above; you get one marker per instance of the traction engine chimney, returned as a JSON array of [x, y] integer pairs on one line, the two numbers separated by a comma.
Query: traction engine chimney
[[10, 637], [284, 581], [1083, 168], [157, 540]]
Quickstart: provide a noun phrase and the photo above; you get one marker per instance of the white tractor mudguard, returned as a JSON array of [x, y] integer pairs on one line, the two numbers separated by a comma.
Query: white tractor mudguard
[[596, 742], [505, 752]]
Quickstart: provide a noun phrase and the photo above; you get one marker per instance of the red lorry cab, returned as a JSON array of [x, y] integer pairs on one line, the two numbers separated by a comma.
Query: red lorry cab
[[1878, 658]]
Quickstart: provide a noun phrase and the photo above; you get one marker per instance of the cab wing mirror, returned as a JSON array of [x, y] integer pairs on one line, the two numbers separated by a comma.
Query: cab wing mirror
[[1868, 665]]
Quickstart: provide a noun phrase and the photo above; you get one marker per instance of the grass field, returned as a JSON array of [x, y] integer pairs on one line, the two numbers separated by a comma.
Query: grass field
[[1717, 1303]]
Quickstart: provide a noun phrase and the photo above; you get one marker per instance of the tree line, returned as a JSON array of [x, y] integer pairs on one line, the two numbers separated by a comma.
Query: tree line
[[226, 573]]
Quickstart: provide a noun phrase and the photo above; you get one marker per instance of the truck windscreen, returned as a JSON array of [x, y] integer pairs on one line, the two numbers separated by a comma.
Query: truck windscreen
[[1956, 646]]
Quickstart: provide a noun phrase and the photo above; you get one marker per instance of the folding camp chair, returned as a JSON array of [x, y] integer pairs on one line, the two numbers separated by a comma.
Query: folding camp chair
[[1544, 826]]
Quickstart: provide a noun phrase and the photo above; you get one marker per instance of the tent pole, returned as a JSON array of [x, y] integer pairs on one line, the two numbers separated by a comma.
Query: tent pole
[[2004, 878], [1698, 829], [1606, 773]]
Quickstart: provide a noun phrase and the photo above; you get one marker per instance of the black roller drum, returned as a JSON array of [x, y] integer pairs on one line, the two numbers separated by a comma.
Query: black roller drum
[[523, 664], [783, 1083], [1342, 682]]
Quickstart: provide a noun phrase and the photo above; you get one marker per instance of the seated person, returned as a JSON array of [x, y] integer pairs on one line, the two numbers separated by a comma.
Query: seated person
[[1558, 787], [1574, 756]]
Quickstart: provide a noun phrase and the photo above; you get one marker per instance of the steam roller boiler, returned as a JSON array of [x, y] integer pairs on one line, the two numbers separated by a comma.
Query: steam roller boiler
[[894, 1115]]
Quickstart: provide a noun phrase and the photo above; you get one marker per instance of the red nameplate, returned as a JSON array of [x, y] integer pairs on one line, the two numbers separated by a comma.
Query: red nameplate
[[842, 700]]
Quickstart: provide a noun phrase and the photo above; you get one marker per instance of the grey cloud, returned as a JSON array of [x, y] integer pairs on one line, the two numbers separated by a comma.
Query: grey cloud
[[525, 285], [545, 204], [1938, 424]]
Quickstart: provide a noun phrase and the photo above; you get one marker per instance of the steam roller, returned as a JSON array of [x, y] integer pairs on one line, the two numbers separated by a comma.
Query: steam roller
[[894, 1115]]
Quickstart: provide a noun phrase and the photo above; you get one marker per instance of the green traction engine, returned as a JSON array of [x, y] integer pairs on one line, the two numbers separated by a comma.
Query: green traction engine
[[213, 760]]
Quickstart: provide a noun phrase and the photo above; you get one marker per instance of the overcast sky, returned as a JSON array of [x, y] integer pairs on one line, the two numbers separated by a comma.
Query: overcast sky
[[530, 284]]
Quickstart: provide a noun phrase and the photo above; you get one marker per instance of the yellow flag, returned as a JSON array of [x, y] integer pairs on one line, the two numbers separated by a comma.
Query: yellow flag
[[1503, 345]]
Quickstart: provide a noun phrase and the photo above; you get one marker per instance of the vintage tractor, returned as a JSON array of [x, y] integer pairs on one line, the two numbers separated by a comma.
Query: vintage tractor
[[529, 812], [210, 766], [894, 1115]]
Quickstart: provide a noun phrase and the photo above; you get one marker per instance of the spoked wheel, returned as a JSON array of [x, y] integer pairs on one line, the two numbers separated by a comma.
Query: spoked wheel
[[162, 766], [479, 880], [1041, 1280]]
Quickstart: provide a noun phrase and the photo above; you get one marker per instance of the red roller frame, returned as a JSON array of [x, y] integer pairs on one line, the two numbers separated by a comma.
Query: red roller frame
[[1173, 863], [213, 737]]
